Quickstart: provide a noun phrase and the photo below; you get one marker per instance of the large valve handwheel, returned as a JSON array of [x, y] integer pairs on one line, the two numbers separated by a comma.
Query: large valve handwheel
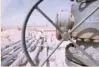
[[65, 34], [24, 30], [25, 25]]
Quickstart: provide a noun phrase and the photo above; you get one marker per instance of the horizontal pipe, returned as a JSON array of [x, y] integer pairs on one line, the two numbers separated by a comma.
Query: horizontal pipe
[[2, 48], [19, 59], [7, 50], [5, 61], [12, 44]]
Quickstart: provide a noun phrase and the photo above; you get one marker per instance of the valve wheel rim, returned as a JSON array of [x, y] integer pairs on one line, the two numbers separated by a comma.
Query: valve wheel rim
[[24, 30]]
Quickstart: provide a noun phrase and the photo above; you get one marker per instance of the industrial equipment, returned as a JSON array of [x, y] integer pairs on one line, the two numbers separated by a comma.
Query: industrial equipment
[[80, 24]]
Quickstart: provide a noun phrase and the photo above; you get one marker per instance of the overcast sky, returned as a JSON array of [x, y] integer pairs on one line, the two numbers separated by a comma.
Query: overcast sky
[[14, 11]]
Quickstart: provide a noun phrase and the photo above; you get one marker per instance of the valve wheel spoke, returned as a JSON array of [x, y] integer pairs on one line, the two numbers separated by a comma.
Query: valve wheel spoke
[[82, 21], [49, 19], [52, 52]]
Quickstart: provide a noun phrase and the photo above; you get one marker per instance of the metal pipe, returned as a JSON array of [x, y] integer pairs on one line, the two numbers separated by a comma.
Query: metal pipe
[[15, 43], [52, 52], [6, 51], [2, 48], [19, 59], [4, 62]]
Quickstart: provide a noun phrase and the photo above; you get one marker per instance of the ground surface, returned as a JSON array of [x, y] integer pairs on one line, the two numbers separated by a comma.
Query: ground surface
[[57, 59]]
